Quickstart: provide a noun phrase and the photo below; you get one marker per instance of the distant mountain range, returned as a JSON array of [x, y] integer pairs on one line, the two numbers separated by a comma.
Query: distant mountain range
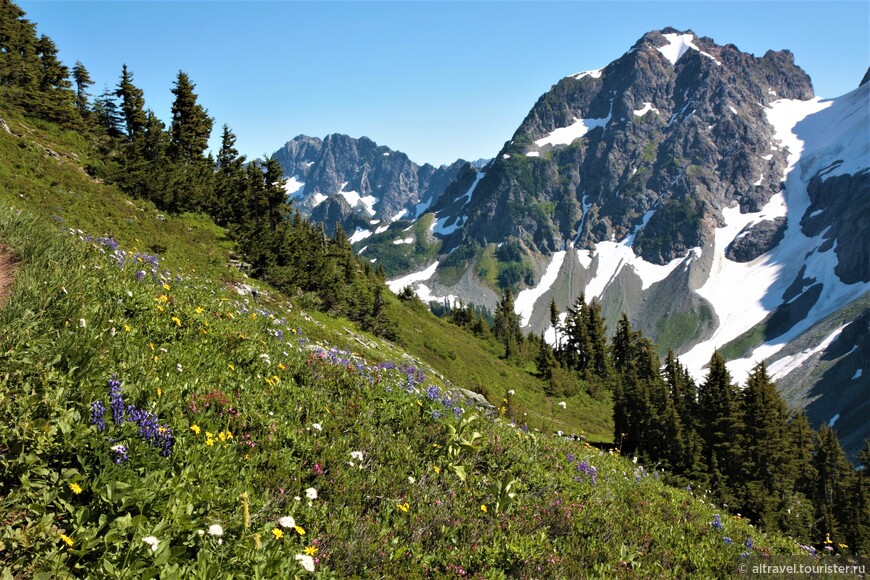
[[704, 191]]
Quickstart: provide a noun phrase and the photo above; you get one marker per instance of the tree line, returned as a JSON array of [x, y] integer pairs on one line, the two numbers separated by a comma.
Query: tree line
[[741, 445]]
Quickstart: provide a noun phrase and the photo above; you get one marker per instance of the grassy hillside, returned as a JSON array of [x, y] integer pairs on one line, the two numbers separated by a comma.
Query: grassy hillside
[[155, 423]]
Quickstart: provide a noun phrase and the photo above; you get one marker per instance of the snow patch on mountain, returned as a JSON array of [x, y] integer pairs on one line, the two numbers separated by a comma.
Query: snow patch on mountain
[[525, 301], [567, 135], [647, 107], [317, 198], [678, 45], [293, 187], [780, 368], [354, 199], [358, 235], [399, 283], [857, 374], [595, 74], [404, 241]]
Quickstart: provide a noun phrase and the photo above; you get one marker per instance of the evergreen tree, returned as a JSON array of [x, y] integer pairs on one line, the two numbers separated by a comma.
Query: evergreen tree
[[19, 60], [507, 324], [599, 358], [132, 105], [107, 115], [191, 125], [554, 321], [832, 490], [768, 474], [721, 428], [82, 79]]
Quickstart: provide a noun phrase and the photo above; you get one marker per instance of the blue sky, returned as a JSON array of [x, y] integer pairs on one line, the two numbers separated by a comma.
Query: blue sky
[[437, 80]]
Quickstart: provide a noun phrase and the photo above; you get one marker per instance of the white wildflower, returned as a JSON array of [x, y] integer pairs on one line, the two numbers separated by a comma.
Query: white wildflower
[[563, 404], [512, 392], [358, 455], [151, 541], [317, 426], [287, 522], [411, 480], [178, 368], [306, 561], [82, 323], [215, 530], [311, 493]]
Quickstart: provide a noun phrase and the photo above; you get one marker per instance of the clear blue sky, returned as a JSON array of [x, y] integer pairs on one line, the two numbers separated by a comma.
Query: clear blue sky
[[437, 80]]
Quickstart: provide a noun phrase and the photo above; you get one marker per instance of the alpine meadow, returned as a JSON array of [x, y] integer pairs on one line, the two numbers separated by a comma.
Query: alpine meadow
[[632, 344]]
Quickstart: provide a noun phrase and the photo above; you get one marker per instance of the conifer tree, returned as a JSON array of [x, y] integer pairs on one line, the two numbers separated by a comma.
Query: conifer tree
[[83, 80], [832, 491], [721, 428], [191, 125], [507, 323], [106, 114], [554, 321], [767, 478], [132, 104]]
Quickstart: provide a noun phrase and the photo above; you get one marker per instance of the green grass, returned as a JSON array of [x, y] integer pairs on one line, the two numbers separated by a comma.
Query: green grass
[[679, 328], [206, 363], [261, 409]]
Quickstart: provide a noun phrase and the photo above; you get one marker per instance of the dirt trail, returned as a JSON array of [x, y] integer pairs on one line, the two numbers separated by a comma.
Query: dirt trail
[[7, 272]]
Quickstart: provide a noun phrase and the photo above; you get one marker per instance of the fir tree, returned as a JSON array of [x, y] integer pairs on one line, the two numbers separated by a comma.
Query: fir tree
[[768, 475], [132, 104], [832, 490], [83, 80], [507, 324], [721, 428], [191, 125]]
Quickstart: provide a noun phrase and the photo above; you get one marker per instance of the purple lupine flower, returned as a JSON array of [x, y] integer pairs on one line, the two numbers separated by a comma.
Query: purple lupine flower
[[432, 393], [98, 415], [571, 458], [120, 452], [140, 275], [716, 523], [727, 541], [748, 543], [436, 415], [116, 401]]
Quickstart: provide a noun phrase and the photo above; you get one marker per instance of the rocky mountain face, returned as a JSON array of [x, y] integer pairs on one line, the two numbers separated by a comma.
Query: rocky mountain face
[[704, 191], [358, 184]]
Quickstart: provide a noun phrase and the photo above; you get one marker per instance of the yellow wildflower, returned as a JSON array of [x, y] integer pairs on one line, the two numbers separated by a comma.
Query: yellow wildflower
[[159, 308], [67, 540], [231, 367], [483, 508], [277, 533], [159, 392], [404, 506], [176, 320], [126, 328], [310, 550], [195, 428], [199, 310], [75, 488], [299, 530], [253, 316], [282, 367], [165, 286], [437, 469], [151, 344]]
